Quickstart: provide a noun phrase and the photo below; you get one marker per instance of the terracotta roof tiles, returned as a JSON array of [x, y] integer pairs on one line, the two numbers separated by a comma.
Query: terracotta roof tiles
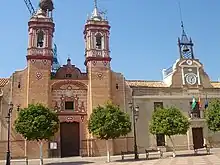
[[157, 84], [3, 81], [216, 84]]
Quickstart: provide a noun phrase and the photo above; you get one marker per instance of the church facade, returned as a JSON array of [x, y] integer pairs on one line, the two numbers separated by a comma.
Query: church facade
[[73, 94]]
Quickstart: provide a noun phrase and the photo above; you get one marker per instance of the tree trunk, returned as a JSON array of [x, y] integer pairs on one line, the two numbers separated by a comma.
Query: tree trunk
[[25, 151], [108, 152], [41, 153], [174, 152]]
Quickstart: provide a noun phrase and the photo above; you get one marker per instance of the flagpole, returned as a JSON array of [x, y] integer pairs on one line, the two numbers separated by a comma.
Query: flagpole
[[206, 101], [200, 107]]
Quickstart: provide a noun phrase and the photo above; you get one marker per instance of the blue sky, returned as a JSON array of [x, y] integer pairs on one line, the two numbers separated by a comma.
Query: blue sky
[[143, 34]]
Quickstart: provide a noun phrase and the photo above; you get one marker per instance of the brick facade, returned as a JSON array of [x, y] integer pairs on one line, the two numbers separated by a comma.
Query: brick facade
[[96, 86]]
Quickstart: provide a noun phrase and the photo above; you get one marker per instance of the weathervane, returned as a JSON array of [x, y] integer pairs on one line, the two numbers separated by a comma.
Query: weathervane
[[181, 17]]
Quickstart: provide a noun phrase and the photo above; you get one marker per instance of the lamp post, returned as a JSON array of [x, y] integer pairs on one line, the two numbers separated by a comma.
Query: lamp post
[[135, 114], [8, 154]]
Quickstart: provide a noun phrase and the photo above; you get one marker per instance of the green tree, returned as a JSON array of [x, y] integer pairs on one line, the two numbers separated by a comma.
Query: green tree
[[37, 122], [212, 115], [169, 121], [109, 122]]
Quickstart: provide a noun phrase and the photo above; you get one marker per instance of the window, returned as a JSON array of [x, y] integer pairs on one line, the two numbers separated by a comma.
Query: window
[[69, 105], [158, 105], [19, 85], [160, 137], [68, 75], [116, 86], [98, 41], [196, 111], [40, 39], [160, 140]]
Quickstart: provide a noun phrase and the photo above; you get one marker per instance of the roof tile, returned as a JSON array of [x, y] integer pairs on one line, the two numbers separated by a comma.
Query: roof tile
[[157, 84], [4, 81]]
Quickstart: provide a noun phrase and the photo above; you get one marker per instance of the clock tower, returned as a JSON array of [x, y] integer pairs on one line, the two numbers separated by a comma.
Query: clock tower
[[189, 65]]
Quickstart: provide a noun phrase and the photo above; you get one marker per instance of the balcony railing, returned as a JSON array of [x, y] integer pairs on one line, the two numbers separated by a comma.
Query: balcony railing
[[196, 114], [39, 51]]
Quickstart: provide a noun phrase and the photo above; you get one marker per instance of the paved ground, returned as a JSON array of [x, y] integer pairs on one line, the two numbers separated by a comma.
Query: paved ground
[[183, 158]]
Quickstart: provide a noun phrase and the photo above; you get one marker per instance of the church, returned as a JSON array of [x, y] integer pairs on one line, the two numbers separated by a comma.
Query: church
[[73, 94]]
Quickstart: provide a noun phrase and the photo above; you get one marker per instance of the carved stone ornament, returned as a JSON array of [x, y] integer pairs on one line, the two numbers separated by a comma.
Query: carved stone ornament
[[1, 92], [82, 107], [56, 107], [94, 63], [105, 63], [69, 93], [67, 84], [69, 119], [76, 103], [100, 76], [33, 61], [189, 62], [69, 87], [39, 75], [44, 62]]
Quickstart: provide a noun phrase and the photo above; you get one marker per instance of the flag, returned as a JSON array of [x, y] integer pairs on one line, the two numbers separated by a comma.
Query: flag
[[193, 103], [199, 103], [206, 102]]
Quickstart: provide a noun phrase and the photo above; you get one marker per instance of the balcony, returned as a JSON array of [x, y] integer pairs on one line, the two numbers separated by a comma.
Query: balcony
[[196, 115]]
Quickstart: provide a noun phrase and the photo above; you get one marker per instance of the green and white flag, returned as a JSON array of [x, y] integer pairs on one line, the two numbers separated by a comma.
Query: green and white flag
[[193, 103]]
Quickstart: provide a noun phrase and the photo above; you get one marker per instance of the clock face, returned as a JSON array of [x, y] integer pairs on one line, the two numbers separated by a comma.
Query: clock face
[[191, 78]]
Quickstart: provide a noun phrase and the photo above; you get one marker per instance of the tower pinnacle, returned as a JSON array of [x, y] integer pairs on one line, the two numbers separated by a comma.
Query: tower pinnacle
[[96, 14]]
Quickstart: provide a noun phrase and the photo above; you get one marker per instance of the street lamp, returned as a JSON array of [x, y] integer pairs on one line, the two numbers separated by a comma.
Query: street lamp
[[8, 154], [135, 114]]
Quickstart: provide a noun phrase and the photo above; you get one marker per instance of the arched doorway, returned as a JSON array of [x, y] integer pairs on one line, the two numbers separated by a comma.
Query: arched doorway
[[69, 139]]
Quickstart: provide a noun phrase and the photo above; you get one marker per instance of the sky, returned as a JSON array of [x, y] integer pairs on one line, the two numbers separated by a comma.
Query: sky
[[143, 37]]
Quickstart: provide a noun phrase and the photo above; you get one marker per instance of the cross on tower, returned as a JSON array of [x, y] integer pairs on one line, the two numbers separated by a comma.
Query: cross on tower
[[95, 3]]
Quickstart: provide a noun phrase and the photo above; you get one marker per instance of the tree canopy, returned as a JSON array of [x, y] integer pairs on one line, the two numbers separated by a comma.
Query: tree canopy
[[212, 115], [109, 122], [169, 121], [37, 122]]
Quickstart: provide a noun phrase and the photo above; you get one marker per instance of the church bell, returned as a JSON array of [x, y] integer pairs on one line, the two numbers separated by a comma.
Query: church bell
[[40, 44], [185, 48]]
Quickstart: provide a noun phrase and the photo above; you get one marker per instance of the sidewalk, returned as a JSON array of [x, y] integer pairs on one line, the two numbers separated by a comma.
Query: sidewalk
[[183, 158]]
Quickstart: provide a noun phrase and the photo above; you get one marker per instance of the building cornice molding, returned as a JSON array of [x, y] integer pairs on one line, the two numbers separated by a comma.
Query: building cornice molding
[[177, 96], [1, 92]]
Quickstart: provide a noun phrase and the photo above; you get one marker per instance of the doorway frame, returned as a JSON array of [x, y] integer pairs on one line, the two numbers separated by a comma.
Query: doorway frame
[[70, 117], [79, 136]]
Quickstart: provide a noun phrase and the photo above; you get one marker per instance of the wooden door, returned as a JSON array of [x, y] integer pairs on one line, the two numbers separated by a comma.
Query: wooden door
[[198, 140], [69, 139]]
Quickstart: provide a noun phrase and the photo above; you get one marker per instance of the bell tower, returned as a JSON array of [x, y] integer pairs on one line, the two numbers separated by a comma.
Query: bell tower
[[39, 53], [185, 45], [189, 65], [97, 58]]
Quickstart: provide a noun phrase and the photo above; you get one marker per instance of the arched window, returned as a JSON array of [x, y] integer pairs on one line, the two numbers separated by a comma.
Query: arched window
[[98, 38], [40, 39]]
